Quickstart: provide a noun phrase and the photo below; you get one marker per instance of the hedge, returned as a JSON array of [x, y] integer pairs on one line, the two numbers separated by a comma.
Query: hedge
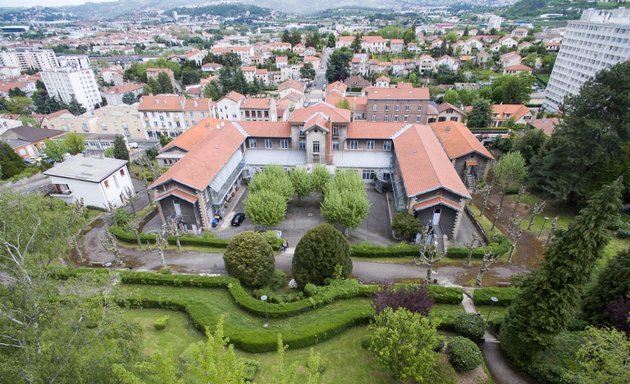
[[161, 323], [373, 250], [446, 295], [463, 354], [505, 295], [500, 246], [129, 237], [470, 325]]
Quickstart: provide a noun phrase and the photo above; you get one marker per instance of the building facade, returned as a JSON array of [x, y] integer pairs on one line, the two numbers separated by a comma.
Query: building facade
[[68, 83], [407, 105], [171, 115], [599, 40], [25, 59]]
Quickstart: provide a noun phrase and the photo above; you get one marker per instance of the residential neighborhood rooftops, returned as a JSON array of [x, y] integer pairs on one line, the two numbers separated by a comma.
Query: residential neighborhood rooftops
[[86, 168]]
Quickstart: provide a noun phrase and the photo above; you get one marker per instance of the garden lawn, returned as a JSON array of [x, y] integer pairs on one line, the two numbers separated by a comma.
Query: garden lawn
[[497, 311], [173, 340]]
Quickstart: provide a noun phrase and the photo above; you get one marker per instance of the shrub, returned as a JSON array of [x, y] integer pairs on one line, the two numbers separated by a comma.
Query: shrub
[[278, 279], [623, 233], [161, 323], [470, 325], [128, 237], [318, 253], [505, 295], [611, 283], [405, 225], [366, 340], [250, 369], [121, 217], [310, 290], [413, 298], [367, 249], [495, 324], [250, 259], [463, 354], [446, 295]]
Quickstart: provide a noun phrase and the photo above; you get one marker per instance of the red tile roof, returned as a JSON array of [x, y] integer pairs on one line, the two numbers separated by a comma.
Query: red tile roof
[[398, 93], [179, 193], [423, 163], [367, 130], [266, 128], [123, 88], [191, 137], [437, 201], [256, 103], [338, 115], [516, 111], [457, 140]]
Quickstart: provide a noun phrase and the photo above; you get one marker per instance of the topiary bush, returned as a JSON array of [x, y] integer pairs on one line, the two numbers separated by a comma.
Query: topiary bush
[[470, 325], [250, 259], [317, 255], [463, 354], [161, 323], [413, 298], [366, 341]]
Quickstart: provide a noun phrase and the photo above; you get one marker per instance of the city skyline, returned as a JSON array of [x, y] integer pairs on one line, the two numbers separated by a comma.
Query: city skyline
[[47, 3]]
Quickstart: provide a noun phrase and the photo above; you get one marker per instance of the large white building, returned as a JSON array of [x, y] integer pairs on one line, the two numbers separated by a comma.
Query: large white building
[[68, 82], [599, 40], [26, 59]]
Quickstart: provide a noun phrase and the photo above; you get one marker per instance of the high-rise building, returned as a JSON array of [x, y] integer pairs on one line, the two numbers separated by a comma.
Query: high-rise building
[[26, 59], [71, 82], [599, 40]]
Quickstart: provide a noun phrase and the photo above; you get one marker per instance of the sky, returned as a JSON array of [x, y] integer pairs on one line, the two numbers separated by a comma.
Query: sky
[[50, 3]]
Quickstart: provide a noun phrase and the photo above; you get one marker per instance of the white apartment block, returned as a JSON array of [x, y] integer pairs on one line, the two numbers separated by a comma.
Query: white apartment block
[[599, 40], [76, 62], [171, 115], [67, 82], [26, 59]]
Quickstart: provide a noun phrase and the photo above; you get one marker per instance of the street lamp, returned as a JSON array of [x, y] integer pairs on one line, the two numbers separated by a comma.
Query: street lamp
[[264, 299], [492, 301], [543, 226]]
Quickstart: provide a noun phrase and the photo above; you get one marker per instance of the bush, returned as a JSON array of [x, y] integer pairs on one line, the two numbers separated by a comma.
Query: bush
[[623, 233], [128, 237], [121, 217], [495, 324], [470, 325], [446, 295], [500, 245], [463, 354], [278, 279], [367, 249], [405, 225], [310, 290], [250, 259], [366, 341], [161, 323], [319, 253], [250, 369], [505, 295], [413, 298]]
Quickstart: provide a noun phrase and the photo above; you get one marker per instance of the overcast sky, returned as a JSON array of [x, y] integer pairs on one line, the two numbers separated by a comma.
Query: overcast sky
[[51, 3]]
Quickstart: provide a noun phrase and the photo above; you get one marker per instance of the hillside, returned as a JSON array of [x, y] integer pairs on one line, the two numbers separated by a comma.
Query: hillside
[[570, 9]]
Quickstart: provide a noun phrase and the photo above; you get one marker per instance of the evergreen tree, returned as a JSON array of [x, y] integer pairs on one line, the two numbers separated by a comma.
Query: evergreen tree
[[307, 71], [356, 44], [75, 107], [331, 41], [10, 162], [213, 91], [339, 65], [296, 38], [550, 294], [129, 98], [286, 36], [165, 83], [512, 89], [481, 114], [120, 148]]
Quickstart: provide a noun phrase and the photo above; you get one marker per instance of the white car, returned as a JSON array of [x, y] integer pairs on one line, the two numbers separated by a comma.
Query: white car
[[133, 145]]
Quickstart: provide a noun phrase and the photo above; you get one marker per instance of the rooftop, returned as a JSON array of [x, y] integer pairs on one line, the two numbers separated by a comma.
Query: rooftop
[[86, 168]]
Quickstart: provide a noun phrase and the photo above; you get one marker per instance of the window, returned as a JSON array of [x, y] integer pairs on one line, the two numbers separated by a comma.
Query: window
[[387, 145], [335, 131], [316, 146], [397, 108], [395, 118], [335, 145], [367, 174], [386, 107], [374, 118], [268, 144], [373, 107], [406, 107], [302, 144], [442, 118], [284, 144], [386, 118], [406, 118], [252, 143], [106, 184], [370, 144], [419, 108], [454, 118], [354, 144], [122, 172]]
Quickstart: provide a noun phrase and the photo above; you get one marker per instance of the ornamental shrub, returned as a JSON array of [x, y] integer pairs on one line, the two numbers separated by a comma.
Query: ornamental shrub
[[413, 298], [470, 325], [317, 255], [278, 279], [463, 354], [161, 323], [405, 225], [249, 258]]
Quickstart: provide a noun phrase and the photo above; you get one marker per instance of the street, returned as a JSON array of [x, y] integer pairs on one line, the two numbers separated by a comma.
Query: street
[[315, 94]]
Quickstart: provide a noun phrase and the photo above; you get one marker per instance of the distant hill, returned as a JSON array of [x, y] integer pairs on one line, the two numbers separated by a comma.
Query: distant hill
[[224, 10], [570, 9]]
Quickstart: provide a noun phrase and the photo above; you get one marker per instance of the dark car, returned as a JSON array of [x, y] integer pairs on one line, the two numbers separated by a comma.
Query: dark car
[[237, 220]]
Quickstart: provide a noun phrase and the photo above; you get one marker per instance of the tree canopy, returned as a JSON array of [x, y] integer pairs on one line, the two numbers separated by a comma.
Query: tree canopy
[[513, 89], [481, 114], [338, 65], [250, 258]]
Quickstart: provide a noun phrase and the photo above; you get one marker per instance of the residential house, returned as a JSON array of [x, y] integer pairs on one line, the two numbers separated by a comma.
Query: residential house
[[408, 105], [449, 112], [103, 183], [516, 69], [229, 106], [170, 115], [382, 82], [259, 109], [547, 124], [510, 59], [28, 141], [114, 95], [518, 113], [357, 83]]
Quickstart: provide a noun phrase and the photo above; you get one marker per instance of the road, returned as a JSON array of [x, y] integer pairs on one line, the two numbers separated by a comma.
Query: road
[[35, 183], [315, 93]]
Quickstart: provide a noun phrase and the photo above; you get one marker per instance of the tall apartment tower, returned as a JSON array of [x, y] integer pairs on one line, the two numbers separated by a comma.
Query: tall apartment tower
[[74, 80], [599, 40], [27, 59]]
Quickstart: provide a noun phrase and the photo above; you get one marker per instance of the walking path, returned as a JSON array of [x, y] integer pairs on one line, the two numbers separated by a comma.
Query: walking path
[[498, 366]]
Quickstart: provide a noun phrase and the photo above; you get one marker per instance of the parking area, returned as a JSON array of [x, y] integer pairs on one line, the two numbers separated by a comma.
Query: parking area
[[305, 215]]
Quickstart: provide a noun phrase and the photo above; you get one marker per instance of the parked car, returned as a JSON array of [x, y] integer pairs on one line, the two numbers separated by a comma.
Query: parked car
[[237, 220]]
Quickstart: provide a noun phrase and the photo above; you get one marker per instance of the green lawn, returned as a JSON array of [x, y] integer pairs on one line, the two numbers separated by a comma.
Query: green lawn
[[497, 311], [172, 340]]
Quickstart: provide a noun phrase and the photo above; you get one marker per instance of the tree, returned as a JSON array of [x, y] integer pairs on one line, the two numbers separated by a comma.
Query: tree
[[16, 92], [157, 369], [215, 360], [355, 46], [166, 86], [509, 173], [403, 342], [331, 41], [213, 91], [405, 225], [319, 255], [55, 149], [320, 177], [250, 259], [190, 76], [273, 178], [346, 206], [120, 148], [512, 89], [428, 252], [75, 107], [338, 65], [412, 298], [603, 356], [451, 96], [129, 98], [286, 36], [589, 148], [265, 207], [549, 295], [409, 36], [301, 181], [307, 71], [481, 115], [611, 283], [18, 105], [343, 104], [530, 144], [73, 143], [11, 163]]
